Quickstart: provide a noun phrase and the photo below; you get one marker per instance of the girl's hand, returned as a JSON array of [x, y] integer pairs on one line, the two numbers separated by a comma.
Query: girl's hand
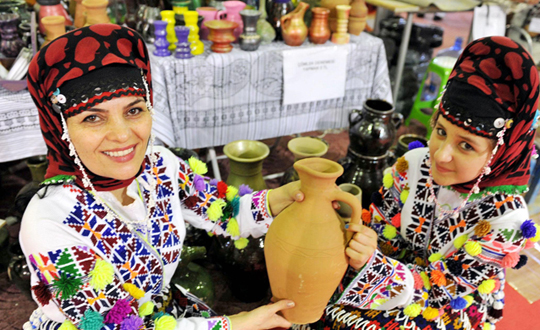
[[262, 318], [361, 246], [280, 198]]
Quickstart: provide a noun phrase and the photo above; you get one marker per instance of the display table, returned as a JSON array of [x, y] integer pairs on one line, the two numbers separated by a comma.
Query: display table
[[214, 99]]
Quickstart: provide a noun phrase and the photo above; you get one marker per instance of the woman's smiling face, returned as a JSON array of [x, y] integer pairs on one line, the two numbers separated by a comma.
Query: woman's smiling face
[[457, 156], [111, 138]]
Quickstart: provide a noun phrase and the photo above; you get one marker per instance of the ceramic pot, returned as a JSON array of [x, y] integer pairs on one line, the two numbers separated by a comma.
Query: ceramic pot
[[161, 42], [207, 14], [192, 276], [221, 35], [80, 13], [356, 25], [319, 31], [373, 131], [276, 10], [183, 51], [264, 29], [54, 27], [293, 28], [358, 9], [168, 16], [305, 245], [246, 160], [250, 40], [232, 14], [303, 147], [331, 4], [11, 43], [404, 140], [52, 8], [96, 12], [244, 270], [191, 18], [18, 271], [341, 36], [366, 172], [345, 210]]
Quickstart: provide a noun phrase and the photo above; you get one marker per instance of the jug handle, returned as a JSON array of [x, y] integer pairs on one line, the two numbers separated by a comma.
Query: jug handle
[[356, 207], [220, 13], [358, 118], [397, 119], [285, 21]]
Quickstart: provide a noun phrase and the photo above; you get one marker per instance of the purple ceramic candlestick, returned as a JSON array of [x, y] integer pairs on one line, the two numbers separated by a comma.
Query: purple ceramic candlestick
[[11, 44], [161, 43], [183, 49]]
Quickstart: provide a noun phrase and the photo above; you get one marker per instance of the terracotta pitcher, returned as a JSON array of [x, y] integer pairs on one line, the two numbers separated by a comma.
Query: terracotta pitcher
[[305, 245], [319, 31], [293, 28]]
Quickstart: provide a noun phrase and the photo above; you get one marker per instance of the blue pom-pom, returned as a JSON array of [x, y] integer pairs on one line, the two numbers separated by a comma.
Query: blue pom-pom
[[522, 261], [458, 303], [416, 144], [528, 228], [377, 199], [157, 315]]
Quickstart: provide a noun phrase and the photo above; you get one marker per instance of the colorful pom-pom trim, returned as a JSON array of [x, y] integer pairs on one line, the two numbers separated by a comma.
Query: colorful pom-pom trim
[[101, 275], [510, 260], [146, 309], [425, 279], [430, 313], [232, 227], [454, 267], [118, 313], [473, 248], [418, 282], [65, 286], [132, 322], [402, 165], [403, 196], [67, 325], [232, 191], [388, 180], [396, 220], [165, 322], [536, 237], [244, 190], [460, 241], [469, 300], [438, 278], [389, 232], [413, 310], [415, 145], [133, 290], [91, 320], [222, 189], [366, 216], [197, 166], [458, 303], [528, 229], [482, 228], [42, 293], [486, 286], [435, 257], [522, 261], [241, 243], [215, 210]]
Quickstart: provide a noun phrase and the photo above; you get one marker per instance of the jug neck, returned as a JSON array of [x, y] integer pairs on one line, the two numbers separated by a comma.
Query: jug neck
[[317, 174]]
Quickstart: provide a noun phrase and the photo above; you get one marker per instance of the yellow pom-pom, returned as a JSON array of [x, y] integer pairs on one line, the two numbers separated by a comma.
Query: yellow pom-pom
[[430, 313], [460, 241], [197, 166], [389, 232], [166, 322], [486, 326], [403, 196], [413, 310], [469, 299], [231, 193], [215, 210], [388, 180], [486, 286], [425, 279], [101, 275], [133, 290], [435, 257], [67, 325], [402, 165], [241, 243], [232, 227], [473, 248], [536, 237], [146, 309]]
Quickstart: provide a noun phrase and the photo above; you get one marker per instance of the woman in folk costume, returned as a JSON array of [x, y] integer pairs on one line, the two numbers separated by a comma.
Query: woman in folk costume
[[450, 218], [104, 235]]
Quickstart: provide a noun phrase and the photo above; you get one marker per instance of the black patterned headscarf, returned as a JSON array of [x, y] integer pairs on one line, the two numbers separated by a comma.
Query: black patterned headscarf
[[493, 92], [78, 70]]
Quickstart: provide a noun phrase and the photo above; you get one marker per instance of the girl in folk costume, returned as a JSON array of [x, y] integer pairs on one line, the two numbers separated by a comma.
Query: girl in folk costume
[[450, 218], [104, 235]]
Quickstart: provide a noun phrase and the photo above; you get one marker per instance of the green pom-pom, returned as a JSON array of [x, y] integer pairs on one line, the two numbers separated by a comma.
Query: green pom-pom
[[197, 166], [67, 287], [389, 232], [413, 310], [166, 322], [473, 248], [101, 275], [67, 325], [435, 257], [403, 196], [92, 320], [146, 309], [460, 241], [388, 180], [425, 280], [231, 193], [235, 204], [486, 286], [241, 243], [232, 228], [215, 210]]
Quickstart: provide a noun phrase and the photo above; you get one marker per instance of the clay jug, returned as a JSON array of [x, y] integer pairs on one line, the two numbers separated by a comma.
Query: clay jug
[[293, 28], [305, 245], [54, 27], [319, 31], [96, 11], [80, 11]]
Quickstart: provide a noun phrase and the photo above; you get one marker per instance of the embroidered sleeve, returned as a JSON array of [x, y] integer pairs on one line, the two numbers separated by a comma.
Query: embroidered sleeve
[[221, 209]]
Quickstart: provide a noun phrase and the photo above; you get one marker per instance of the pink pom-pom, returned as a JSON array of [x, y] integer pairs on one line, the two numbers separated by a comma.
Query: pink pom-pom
[[497, 285], [529, 244], [418, 282], [396, 220], [510, 260], [119, 312]]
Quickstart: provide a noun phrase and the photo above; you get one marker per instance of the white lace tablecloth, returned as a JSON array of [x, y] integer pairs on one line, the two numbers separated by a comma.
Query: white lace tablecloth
[[213, 99]]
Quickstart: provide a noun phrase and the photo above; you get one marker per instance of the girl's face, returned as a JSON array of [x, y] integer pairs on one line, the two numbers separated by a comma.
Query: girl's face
[[111, 138], [457, 156]]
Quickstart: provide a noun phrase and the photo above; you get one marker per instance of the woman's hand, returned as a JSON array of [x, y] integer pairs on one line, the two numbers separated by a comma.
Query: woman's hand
[[280, 198], [264, 317], [361, 246]]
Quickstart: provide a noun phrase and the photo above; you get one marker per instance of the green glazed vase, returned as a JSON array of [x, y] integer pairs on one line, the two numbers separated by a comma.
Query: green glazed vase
[[246, 160]]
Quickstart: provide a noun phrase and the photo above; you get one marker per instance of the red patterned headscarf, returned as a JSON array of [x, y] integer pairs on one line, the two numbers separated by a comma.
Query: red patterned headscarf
[[494, 85], [70, 63]]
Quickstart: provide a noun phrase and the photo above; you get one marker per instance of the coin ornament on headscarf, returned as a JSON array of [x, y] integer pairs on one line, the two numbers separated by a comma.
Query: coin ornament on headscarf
[[57, 99]]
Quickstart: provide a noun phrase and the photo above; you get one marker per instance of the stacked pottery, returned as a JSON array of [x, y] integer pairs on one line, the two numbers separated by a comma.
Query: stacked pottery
[[371, 135], [357, 17], [250, 40], [332, 17], [341, 36], [183, 50], [191, 18], [96, 11], [54, 27], [168, 16]]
